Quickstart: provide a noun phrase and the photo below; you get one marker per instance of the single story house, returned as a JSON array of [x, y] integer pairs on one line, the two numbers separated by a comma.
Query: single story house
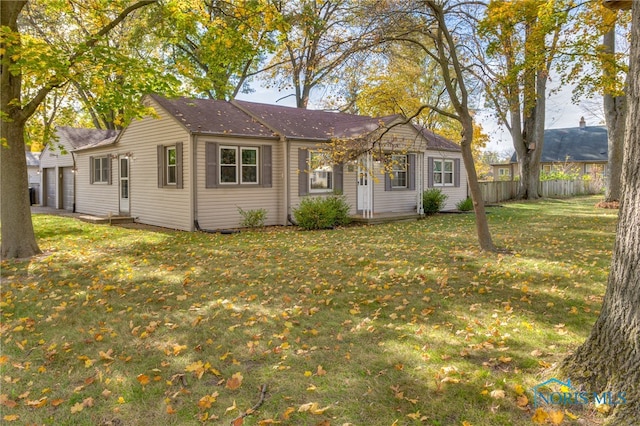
[[579, 150], [58, 164], [194, 162]]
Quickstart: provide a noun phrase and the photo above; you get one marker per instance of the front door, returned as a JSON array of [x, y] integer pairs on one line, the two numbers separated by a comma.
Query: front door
[[124, 185]]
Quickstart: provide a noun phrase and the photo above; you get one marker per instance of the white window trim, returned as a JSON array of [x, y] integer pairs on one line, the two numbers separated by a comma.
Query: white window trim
[[312, 171], [442, 172], [104, 177], [405, 171], [169, 166], [238, 165]]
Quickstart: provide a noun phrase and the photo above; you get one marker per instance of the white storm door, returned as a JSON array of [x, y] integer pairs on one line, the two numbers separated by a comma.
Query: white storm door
[[123, 182], [364, 203]]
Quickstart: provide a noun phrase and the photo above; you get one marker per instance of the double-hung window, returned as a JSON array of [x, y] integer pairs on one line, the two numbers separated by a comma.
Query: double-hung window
[[100, 169], [171, 165], [238, 165], [443, 172], [320, 172], [399, 171], [249, 165]]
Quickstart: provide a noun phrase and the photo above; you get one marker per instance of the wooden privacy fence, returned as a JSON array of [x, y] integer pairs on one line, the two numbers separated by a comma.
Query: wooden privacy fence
[[495, 192]]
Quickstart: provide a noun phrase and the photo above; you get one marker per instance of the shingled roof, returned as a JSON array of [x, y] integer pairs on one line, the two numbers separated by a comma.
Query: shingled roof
[[73, 138], [577, 144], [242, 118], [213, 117], [436, 141], [299, 123]]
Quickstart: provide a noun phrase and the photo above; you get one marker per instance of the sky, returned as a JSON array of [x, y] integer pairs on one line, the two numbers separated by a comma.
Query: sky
[[561, 112]]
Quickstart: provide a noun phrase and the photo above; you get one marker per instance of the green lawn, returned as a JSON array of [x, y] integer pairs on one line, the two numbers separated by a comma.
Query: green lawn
[[368, 325]]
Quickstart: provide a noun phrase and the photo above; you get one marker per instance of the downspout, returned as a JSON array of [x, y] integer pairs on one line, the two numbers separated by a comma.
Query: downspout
[[75, 172], [286, 217], [194, 182], [287, 177]]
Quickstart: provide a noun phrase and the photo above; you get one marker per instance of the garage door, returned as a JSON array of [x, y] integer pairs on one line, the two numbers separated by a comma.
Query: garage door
[[67, 188], [50, 187]]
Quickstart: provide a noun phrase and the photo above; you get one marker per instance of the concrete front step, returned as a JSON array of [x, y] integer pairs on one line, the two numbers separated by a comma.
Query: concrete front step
[[386, 218], [106, 220]]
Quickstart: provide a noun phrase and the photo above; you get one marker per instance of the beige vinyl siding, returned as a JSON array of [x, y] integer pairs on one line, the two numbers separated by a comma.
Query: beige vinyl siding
[[350, 186], [55, 158], [99, 199], [455, 194], [348, 177], [149, 204], [401, 139], [167, 207], [397, 200], [295, 173], [218, 206]]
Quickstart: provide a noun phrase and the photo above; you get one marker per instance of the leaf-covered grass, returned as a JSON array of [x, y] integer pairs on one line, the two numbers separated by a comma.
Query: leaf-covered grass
[[391, 324]]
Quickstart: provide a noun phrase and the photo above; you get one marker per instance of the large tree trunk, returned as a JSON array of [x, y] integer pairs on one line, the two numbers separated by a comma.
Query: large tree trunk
[[615, 108], [609, 360], [615, 116], [529, 153], [18, 238], [482, 226], [533, 137]]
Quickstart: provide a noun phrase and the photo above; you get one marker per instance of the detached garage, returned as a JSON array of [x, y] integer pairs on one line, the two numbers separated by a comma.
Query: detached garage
[[58, 164]]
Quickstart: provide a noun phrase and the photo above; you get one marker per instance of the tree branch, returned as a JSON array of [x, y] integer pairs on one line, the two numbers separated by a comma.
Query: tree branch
[[57, 80]]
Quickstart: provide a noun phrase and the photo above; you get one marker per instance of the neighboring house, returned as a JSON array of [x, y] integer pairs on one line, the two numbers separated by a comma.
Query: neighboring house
[[504, 171], [196, 161], [33, 174], [58, 164], [579, 150]]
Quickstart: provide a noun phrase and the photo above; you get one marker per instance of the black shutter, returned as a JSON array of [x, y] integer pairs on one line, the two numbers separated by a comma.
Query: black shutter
[[303, 175], [430, 172], [411, 172], [338, 173], [266, 166], [179, 180], [456, 172], [91, 170], [160, 149], [211, 164], [387, 169], [109, 165]]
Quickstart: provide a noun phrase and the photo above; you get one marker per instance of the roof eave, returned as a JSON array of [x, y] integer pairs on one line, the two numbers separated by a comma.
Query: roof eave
[[233, 135], [96, 146]]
